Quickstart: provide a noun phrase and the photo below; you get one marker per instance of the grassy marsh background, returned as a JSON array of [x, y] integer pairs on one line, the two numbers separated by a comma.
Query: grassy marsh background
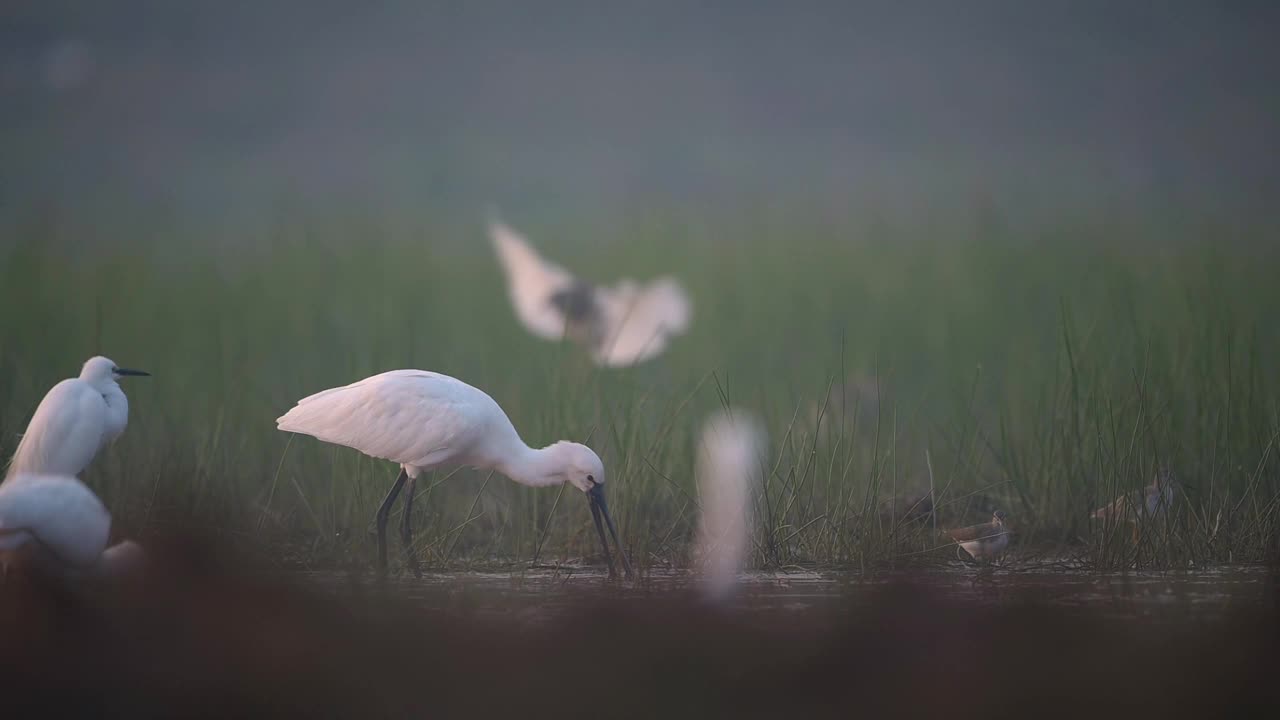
[[1041, 366]]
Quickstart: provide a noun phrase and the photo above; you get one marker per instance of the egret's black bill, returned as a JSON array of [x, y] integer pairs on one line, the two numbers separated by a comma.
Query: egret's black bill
[[595, 497], [134, 373]]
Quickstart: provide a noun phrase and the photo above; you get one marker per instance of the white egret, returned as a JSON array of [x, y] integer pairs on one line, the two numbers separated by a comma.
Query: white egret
[[620, 325], [74, 421], [424, 420], [983, 542], [58, 525], [728, 468]]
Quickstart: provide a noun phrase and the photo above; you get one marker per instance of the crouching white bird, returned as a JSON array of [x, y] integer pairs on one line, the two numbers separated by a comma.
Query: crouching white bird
[[75, 420], [728, 470], [424, 420], [620, 325], [57, 525]]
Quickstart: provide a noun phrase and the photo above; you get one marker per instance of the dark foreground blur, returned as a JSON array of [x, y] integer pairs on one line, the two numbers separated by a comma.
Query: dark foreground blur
[[202, 634]]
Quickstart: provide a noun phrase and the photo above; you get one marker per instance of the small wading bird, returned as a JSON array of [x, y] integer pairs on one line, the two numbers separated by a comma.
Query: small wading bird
[[1149, 503], [423, 421], [56, 525], [75, 420], [728, 468], [620, 325], [984, 542]]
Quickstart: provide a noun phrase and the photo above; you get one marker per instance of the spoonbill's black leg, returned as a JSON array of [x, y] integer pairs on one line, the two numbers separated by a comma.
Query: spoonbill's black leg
[[406, 529], [383, 512]]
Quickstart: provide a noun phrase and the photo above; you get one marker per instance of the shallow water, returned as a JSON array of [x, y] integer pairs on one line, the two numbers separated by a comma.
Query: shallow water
[[538, 594]]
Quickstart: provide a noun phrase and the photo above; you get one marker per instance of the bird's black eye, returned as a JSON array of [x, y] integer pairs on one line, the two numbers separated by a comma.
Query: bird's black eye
[[591, 478]]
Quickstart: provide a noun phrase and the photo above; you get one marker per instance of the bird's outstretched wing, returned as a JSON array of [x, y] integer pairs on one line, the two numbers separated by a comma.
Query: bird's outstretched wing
[[639, 321], [532, 282], [65, 432], [412, 417]]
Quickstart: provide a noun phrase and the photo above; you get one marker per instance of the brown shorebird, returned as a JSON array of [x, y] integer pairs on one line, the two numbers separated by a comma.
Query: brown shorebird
[[983, 542], [1138, 506]]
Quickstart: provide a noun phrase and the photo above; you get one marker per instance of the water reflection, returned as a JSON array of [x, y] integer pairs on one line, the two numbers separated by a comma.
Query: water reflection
[[539, 594]]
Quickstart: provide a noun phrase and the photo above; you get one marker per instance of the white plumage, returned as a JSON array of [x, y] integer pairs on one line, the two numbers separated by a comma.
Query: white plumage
[[728, 469], [55, 516], [620, 325], [75, 420], [424, 420], [416, 418]]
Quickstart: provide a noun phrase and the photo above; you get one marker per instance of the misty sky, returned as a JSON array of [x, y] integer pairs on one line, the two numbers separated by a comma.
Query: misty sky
[[534, 102]]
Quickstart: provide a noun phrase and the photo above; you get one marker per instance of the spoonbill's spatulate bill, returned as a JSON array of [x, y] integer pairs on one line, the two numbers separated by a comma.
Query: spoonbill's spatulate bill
[[56, 519], [74, 421], [620, 325], [728, 470], [424, 420]]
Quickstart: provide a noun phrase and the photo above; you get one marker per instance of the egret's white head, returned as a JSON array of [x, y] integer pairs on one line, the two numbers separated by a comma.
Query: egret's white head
[[100, 370], [582, 467]]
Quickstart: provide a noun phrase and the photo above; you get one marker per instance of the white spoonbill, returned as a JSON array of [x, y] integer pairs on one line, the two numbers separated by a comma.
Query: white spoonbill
[[424, 420], [74, 421], [620, 325], [728, 469], [60, 526]]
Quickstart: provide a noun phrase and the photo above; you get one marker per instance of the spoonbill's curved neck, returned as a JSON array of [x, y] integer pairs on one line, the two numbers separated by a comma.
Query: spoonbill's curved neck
[[535, 467]]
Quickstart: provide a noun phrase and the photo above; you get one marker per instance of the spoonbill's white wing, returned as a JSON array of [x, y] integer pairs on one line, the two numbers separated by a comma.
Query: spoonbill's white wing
[[59, 512], [640, 321], [728, 468], [532, 282], [65, 433], [413, 417]]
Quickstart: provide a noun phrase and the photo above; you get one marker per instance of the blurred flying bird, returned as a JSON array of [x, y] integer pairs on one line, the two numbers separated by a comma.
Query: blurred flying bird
[[728, 468], [620, 325], [423, 421], [75, 420], [983, 542], [56, 524]]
